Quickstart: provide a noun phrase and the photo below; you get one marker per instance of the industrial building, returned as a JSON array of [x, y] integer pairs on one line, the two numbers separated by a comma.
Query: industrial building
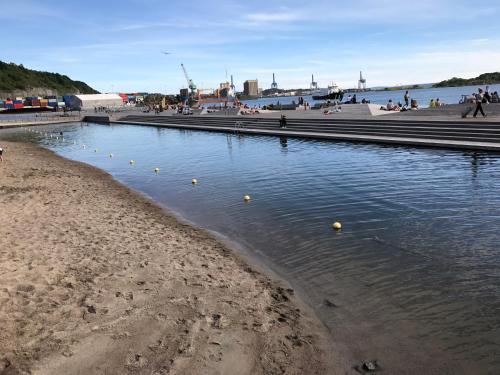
[[251, 87], [93, 100]]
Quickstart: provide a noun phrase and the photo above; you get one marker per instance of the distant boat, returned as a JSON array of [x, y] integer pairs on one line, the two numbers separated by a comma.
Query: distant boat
[[333, 93]]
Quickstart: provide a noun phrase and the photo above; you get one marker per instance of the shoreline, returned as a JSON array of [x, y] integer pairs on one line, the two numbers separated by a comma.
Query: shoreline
[[67, 300]]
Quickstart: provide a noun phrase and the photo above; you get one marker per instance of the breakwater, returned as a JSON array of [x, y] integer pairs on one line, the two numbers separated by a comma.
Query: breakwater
[[470, 135]]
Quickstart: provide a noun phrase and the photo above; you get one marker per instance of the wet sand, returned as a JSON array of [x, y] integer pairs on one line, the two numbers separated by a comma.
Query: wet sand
[[97, 279]]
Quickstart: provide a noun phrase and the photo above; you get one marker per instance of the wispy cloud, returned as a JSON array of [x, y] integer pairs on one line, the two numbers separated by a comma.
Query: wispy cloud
[[30, 10], [317, 62], [271, 71], [150, 25], [284, 16]]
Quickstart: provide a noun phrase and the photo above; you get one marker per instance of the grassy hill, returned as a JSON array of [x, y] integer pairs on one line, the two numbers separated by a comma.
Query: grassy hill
[[483, 79], [17, 79]]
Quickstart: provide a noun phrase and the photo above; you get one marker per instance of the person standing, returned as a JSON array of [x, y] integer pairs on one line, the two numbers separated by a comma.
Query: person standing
[[1, 155], [487, 95], [479, 103], [283, 121], [407, 98]]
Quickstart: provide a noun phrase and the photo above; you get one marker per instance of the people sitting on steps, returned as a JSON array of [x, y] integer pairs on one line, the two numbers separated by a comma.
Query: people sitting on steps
[[391, 106], [495, 98], [333, 110]]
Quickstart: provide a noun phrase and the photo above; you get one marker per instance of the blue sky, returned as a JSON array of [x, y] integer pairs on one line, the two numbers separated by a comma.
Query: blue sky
[[117, 45]]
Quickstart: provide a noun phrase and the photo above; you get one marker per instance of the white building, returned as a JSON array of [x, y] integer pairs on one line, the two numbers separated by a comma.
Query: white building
[[91, 101]]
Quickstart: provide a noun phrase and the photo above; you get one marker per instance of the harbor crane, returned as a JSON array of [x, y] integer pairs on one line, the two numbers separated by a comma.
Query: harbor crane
[[361, 82], [190, 82], [274, 85]]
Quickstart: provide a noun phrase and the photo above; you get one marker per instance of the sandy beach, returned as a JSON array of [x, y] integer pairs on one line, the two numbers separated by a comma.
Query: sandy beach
[[97, 279]]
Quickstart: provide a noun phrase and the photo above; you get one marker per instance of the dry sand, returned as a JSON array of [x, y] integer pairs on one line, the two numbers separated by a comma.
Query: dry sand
[[97, 279]]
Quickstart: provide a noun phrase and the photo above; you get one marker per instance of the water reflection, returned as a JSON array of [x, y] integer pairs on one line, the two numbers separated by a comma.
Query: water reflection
[[284, 142], [479, 159]]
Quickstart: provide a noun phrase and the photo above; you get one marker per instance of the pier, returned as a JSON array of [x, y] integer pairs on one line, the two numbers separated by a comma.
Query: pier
[[447, 133]]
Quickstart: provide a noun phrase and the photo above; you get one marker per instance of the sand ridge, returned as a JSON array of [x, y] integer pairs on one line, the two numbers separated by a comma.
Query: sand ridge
[[97, 279]]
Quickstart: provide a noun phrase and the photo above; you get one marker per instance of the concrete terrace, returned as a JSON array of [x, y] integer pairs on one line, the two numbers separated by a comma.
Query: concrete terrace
[[442, 127]]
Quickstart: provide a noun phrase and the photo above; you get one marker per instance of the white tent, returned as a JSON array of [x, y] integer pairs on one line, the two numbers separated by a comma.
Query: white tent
[[92, 101]]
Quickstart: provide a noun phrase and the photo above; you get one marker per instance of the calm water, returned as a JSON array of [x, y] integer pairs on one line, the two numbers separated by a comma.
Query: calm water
[[416, 265], [448, 95]]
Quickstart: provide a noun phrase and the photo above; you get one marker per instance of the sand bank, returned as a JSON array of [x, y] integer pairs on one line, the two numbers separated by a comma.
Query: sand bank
[[97, 279]]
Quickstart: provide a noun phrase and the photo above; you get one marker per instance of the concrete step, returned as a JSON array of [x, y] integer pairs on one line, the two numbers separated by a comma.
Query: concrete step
[[467, 137], [450, 130], [312, 122], [482, 131]]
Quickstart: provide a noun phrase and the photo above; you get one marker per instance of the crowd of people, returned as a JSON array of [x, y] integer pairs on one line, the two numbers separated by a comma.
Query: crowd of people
[[102, 109], [479, 98]]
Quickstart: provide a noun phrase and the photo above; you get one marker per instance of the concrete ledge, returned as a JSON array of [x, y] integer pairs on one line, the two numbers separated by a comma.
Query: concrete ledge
[[8, 125], [97, 119], [421, 142]]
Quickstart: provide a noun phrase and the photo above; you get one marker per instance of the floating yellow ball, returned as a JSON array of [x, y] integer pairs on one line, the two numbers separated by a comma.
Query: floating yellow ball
[[246, 198], [337, 225], [194, 181]]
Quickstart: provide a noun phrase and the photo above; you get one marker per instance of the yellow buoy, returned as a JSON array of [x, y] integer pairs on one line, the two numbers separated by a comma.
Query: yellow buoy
[[157, 170], [246, 198], [131, 161], [337, 225], [194, 181]]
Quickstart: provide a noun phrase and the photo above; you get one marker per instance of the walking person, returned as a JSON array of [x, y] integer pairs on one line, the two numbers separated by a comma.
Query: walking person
[[1, 155], [479, 103], [407, 99]]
